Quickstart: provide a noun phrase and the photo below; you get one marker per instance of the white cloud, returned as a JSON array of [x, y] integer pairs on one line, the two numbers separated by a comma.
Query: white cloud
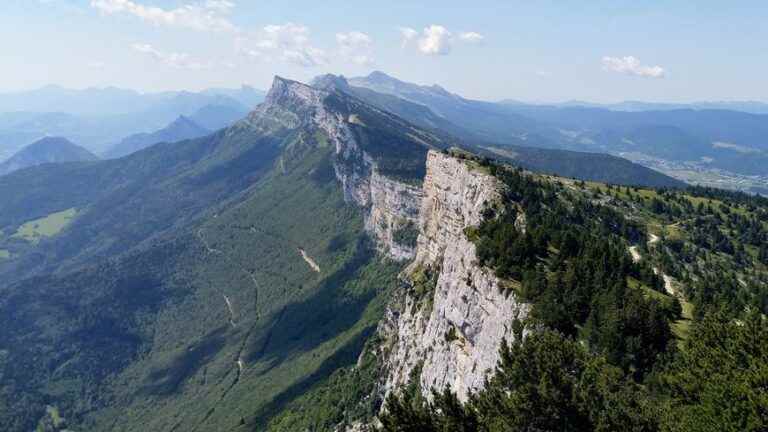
[[172, 59], [356, 47], [288, 42], [436, 39], [472, 37], [210, 15], [631, 66]]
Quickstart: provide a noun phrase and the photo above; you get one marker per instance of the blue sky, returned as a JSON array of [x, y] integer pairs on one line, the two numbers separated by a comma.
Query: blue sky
[[533, 50]]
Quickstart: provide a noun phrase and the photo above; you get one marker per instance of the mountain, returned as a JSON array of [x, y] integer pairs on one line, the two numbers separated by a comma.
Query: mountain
[[100, 126], [112, 101], [182, 128], [586, 166], [141, 246], [704, 143], [416, 113], [489, 121], [292, 270], [45, 151], [89, 101], [727, 140], [11, 142]]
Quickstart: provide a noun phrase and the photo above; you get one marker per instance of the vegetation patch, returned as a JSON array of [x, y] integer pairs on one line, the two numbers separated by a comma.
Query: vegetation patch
[[424, 281], [406, 234], [49, 226]]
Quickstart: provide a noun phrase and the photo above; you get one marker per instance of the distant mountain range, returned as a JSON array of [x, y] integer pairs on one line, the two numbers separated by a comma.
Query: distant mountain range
[[46, 150], [113, 101], [751, 107], [98, 118], [725, 138], [182, 128], [707, 137], [521, 151]]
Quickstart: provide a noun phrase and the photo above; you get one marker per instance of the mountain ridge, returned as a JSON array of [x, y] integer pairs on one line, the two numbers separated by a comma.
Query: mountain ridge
[[182, 128]]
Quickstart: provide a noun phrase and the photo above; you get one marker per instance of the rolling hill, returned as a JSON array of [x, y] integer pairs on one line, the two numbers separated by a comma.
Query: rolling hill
[[45, 151]]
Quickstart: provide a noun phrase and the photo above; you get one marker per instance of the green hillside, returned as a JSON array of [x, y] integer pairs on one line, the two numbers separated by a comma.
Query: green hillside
[[202, 284]]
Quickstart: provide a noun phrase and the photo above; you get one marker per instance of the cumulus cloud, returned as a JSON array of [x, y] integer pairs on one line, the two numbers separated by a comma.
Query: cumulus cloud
[[288, 42], [436, 39], [631, 65], [210, 15], [355, 47], [172, 59]]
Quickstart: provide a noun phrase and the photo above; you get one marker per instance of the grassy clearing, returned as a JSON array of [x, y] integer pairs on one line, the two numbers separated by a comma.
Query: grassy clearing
[[4, 254], [682, 327], [48, 226]]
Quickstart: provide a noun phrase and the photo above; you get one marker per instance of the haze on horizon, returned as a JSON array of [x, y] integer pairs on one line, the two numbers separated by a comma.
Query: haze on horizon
[[604, 51]]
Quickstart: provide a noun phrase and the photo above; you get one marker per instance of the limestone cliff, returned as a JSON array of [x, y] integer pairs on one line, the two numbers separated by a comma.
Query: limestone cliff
[[449, 322]]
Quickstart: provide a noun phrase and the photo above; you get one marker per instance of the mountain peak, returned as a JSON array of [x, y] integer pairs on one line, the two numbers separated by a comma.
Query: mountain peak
[[379, 76], [288, 91], [46, 150], [330, 82], [51, 141]]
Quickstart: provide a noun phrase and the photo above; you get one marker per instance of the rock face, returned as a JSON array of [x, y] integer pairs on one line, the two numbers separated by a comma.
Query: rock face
[[388, 205], [394, 209], [451, 335]]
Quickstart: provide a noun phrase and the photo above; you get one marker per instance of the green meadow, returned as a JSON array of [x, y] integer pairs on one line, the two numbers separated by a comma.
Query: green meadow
[[48, 226]]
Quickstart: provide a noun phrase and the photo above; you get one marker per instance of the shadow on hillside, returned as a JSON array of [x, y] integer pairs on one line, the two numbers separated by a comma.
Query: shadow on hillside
[[167, 380], [302, 326], [343, 357]]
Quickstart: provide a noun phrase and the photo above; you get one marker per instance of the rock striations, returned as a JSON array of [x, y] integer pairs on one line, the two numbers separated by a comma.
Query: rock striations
[[449, 336]]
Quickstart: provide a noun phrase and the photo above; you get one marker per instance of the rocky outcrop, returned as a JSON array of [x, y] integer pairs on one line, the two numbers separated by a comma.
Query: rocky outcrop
[[393, 215], [447, 327]]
